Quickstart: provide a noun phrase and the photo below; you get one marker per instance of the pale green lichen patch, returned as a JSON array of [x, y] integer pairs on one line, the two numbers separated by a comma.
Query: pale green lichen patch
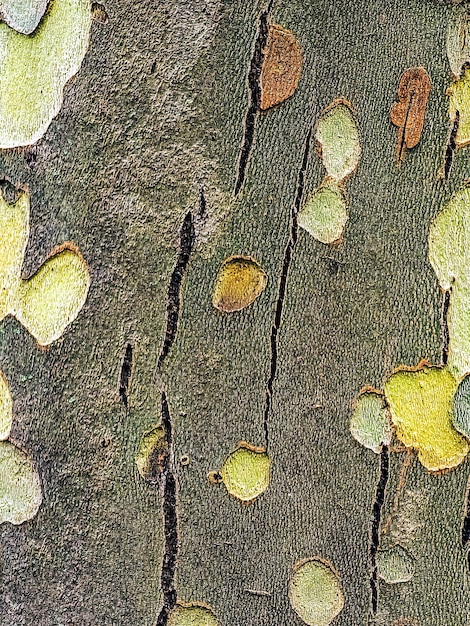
[[449, 254], [324, 214], [315, 592], [370, 422], [458, 39], [338, 136], [23, 15], [239, 282], [246, 472], [35, 69], [51, 299], [459, 100], [395, 565], [420, 402], [152, 454], [192, 615], [461, 411], [6, 405], [20, 488]]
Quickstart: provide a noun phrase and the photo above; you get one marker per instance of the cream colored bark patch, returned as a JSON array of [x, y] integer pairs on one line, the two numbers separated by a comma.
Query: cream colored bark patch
[[20, 487], [370, 421], [420, 402], [315, 592], [35, 69], [194, 614], [324, 214], [23, 15], [459, 100], [239, 282], [6, 408], [51, 299]]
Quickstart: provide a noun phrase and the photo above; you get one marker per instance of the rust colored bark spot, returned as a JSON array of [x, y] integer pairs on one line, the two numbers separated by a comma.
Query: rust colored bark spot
[[282, 64], [408, 112]]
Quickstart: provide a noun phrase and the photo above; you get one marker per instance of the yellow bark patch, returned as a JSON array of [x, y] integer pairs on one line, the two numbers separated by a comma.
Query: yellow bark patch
[[239, 282], [152, 453], [246, 472], [420, 402], [459, 100], [194, 614], [6, 406]]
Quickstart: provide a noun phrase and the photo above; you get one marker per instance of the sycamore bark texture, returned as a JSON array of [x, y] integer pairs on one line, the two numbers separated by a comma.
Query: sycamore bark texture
[[151, 128]]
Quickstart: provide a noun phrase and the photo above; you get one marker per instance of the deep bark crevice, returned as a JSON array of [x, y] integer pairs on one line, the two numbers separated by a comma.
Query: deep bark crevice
[[170, 521], [375, 529], [445, 327], [125, 376], [281, 294], [451, 145]]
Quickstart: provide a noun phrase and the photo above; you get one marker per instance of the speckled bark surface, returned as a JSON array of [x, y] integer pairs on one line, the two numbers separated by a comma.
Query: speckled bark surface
[[156, 114]]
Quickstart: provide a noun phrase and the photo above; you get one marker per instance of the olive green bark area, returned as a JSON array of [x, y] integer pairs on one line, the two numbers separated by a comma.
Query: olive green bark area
[[155, 113]]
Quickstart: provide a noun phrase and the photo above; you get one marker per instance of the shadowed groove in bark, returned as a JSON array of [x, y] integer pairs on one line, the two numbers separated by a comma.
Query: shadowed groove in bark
[[186, 246], [125, 377], [375, 530], [254, 75], [170, 517], [450, 148], [281, 294], [445, 327]]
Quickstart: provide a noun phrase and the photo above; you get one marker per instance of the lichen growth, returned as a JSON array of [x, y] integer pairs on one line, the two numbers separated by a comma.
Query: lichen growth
[[459, 100], [35, 69], [192, 615], [395, 565], [324, 214], [449, 254], [420, 401], [20, 487], [370, 422], [246, 472], [338, 136], [151, 455], [315, 592], [6, 406], [23, 15], [51, 299], [239, 282]]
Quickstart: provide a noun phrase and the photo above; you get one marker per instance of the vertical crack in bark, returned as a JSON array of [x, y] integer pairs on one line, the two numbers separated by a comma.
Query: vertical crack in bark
[[170, 518], [125, 377], [281, 294], [254, 101], [466, 520], [451, 145], [375, 530], [445, 327], [186, 245]]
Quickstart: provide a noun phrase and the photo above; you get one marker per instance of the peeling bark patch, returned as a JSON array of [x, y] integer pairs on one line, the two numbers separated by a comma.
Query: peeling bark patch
[[152, 455], [20, 487], [194, 614], [99, 13], [324, 214], [186, 245], [23, 15], [125, 377], [461, 407], [421, 406], [315, 592], [52, 298], [375, 530], [459, 104], [239, 282], [36, 67], [408, 113], [338, 136], [254, 102], [6, 408], [170, 516], [395, 565], [449, 254], [370, 422], [246, 472], [458, 39], [281, 294], [282, 65]]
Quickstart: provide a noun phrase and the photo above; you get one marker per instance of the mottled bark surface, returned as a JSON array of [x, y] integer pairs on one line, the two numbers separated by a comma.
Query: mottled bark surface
[[155, 115]]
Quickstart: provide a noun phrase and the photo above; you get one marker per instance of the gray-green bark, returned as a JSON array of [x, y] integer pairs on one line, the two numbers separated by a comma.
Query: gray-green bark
[[155, 115]]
